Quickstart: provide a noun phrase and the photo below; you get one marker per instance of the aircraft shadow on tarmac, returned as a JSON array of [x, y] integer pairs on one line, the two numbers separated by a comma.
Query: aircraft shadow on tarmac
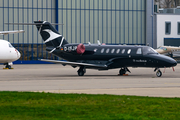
[[101, 76]]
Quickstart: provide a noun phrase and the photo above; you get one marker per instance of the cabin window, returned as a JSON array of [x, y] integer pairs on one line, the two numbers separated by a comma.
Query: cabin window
[[107, 51], [112, 51], [168, 28], [139, 51], [129, 51], [123, 51], [102, 50], [117, 51], [178, 28]]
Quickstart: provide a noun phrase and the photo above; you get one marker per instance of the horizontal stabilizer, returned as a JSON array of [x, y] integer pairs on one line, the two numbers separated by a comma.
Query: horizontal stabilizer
[[11, 32], [31, 24], [48, 33], [74, 63]]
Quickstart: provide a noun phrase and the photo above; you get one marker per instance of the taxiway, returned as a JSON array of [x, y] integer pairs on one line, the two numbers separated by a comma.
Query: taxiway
[[59, 79]]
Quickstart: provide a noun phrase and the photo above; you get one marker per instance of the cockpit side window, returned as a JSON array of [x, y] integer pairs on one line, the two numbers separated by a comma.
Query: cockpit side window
[[10, 45], [139, 51], [163, 48], [149, 50]]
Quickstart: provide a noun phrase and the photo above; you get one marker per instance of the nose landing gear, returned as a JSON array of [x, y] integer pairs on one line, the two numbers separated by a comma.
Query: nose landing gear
[[7, 66], [158, 73]]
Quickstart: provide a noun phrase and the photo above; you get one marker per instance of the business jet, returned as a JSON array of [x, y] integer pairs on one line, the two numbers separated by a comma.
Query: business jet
[[97, 56], [8, 53], [171, 51]]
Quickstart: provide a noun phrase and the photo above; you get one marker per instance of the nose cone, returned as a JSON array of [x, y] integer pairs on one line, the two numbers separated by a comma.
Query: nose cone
[[18, 54], [169, 62], [174, 63]]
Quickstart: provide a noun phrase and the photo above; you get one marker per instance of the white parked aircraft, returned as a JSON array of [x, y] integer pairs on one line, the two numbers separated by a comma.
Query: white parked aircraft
[[8, 53]]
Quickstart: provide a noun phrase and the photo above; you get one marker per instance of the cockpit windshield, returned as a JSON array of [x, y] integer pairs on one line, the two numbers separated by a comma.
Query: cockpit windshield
[[149, 50], [163, 48], [10, 45]]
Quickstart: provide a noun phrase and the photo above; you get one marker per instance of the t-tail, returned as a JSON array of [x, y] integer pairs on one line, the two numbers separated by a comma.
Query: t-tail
[[50, 35]]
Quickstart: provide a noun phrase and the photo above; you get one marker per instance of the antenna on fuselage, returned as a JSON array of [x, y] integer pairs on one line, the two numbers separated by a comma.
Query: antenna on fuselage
[[89, 43], [98, 42]]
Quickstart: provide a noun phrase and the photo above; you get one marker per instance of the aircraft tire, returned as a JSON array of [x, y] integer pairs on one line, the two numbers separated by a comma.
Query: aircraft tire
[[81, 73], [8, 66], [159, 73], [122, 71]]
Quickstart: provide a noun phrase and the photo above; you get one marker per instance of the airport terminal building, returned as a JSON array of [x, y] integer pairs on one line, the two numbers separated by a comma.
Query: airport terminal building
[[109, 21]]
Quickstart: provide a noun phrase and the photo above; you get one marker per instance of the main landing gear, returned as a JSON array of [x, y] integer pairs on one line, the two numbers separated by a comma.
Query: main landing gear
[[123, 71], [158, 73], [81, 71]]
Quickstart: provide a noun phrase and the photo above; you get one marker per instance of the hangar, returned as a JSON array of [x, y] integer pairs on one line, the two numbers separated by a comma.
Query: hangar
[[167, 27], [109, 21]]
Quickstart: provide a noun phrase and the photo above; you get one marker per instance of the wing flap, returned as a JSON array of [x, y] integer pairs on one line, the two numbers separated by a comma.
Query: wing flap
[[74, 63]]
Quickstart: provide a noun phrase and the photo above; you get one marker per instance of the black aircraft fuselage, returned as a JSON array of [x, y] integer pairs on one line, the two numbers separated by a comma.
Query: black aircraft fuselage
[[115, 56], [101, 57]]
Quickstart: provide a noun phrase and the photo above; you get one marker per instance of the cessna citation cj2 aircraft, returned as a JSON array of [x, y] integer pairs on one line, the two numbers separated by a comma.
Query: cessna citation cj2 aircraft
[[100, 57], [8, 53]]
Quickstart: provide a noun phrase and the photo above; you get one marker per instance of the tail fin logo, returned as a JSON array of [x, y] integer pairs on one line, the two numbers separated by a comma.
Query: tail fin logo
[[52, 34]]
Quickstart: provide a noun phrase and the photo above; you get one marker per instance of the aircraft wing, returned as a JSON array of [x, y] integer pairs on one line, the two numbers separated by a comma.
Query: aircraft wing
[[11, 32], [74, 63]]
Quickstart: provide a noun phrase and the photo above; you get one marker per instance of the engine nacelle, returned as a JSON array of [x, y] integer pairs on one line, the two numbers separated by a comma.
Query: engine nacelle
[[80, 49]]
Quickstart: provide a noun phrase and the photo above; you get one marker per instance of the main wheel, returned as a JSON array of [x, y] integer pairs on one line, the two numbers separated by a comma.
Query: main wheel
[[81, 73], [122, 71], [159, 73]]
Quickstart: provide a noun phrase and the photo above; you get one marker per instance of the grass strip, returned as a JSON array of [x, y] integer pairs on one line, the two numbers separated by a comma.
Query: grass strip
[[30, 105]]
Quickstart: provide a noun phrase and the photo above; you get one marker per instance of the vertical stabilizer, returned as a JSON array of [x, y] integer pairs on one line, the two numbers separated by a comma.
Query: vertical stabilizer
[[50, 35]]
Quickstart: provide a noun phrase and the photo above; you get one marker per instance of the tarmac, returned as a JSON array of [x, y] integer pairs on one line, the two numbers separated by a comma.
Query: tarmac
[[56, 78]]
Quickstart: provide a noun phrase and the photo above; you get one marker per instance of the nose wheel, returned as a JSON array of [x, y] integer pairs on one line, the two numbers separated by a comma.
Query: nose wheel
[[158, 73], [7, 66], [81, 71]]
